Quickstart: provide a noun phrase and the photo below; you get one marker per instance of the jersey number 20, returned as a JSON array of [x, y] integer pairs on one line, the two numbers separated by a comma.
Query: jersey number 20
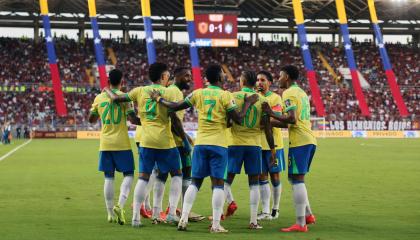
[[109, 108]]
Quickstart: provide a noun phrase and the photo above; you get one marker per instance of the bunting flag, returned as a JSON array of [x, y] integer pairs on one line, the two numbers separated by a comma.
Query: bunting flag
[[100, 59], [341, 12], [307, 59], [389, 72], [195, 62], [147, 21], [52, 60]]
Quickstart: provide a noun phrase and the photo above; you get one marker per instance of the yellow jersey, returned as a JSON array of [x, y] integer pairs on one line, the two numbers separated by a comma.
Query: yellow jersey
[[276, 104], [212, 104], [300, 133], [138, 134], [156, 123], [179, 96], [114, 131], [248, 133]]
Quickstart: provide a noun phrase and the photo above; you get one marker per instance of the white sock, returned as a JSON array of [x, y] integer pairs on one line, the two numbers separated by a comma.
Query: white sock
[[185, 184], [265, 194], [228, 193], [254, 199], [139, 195], [217, 202], [189, 199], [109, 195], [299, 197], [276, 196], [150, 186], [158, 192], [308, 210], [174, 193], [125, 190]]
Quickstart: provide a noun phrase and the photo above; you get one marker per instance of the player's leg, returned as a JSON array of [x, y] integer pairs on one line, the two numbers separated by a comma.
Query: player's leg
[[235, 157], [265, 191], [158, 192], [146, 208], [106, 165], [146, 165], [276, 182], [124, 162], [170, 162], [218, 159], [252, 164], [300, 159]]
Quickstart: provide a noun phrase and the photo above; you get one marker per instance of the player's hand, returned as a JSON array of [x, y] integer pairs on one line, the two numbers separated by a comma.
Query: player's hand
[[251, 99], [154, 95], [267, 109], [273, 159]]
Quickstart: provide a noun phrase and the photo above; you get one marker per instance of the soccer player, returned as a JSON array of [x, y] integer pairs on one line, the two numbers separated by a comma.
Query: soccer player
[[214, 105], [302, 143], [157, 145], [264, 81], [115, 149], [245, 148]]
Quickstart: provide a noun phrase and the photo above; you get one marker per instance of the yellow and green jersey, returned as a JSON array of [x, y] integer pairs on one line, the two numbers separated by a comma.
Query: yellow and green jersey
[[248, 133], [300, 133], [179, 96], [114, 131], [156, 124], [212, 104], [276, 104]]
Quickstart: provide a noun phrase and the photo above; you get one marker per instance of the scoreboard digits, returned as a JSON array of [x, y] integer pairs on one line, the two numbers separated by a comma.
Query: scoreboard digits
[[216, 30]]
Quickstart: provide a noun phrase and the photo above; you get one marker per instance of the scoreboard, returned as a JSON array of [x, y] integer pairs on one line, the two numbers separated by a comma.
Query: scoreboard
[[216, 30]]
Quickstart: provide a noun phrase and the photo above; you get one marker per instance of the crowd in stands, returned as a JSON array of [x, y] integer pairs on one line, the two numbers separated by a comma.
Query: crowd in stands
[[24, 63]]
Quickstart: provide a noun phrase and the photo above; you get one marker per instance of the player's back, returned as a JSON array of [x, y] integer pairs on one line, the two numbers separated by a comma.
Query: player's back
[[300, 133], [156, 124], [276, 104], [212, 104], [114, 131], [248, 133]]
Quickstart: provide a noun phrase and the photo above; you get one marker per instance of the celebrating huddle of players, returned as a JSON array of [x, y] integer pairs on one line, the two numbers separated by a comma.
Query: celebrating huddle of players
[[234, 129]]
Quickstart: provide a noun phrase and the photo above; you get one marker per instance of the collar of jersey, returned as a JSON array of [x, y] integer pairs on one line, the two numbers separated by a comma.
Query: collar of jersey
[[294, 85], [268, 93], [114, 90], [245, 89], [156, 85], [214, 87]]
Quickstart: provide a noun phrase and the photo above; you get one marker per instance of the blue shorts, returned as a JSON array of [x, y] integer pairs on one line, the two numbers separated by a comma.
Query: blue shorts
[[300, 158], [185, 157], [249, 156], [281, 164], [122, 161], [209, 160], [166, 160]]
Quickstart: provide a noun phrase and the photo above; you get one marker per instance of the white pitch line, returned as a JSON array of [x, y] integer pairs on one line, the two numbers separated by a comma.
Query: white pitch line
[[14, 150]]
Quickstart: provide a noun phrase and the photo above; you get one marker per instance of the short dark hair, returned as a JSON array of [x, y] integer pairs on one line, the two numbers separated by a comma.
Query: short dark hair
[[292, 71], [156, 70], [115, 77], [213, 73], [250, 77], [267, 74], [180, 70]]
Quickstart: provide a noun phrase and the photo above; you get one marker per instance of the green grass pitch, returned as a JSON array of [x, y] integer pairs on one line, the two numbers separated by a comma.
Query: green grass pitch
[[358, 188]]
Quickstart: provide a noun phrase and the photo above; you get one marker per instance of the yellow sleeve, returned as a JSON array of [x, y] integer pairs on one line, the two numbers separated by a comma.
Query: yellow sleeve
[[290, 101], [229, 101], [191, 99], [134, 93], [94, 108]]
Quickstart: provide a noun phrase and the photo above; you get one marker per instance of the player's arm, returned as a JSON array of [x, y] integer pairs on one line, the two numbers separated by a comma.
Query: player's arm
[[115, 97], [178, 129], [133, 118], [268, 130], [282, 120], [93, 117], [174, 106], [238, 117]]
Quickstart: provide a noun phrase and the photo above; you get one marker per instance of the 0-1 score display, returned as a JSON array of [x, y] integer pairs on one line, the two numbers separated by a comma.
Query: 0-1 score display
[[216, 30]]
